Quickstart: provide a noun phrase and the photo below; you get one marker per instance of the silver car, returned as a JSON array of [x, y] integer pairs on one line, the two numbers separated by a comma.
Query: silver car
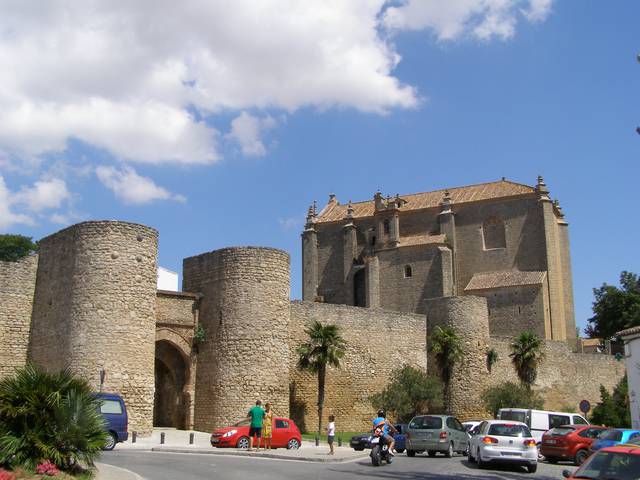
[[503, 441], [436, 433]]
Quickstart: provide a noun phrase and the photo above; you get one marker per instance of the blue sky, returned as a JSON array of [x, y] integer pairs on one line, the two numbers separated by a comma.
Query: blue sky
[[225, 138]]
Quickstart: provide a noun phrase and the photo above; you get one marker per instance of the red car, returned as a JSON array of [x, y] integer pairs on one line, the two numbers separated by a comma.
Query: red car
[[285, 433], [620, 462], [569, 442]]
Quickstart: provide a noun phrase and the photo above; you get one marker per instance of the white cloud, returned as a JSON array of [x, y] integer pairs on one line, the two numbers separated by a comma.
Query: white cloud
[[247, 131], [455, 18], [132, 188], [290, 223], [44, 194], [9, 218]]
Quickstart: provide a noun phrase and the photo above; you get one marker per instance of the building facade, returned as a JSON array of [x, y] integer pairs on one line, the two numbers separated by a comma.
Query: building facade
[[504, 241]]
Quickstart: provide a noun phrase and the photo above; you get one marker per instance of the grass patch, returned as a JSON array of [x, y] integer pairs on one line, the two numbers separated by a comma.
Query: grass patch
[[345, 436]]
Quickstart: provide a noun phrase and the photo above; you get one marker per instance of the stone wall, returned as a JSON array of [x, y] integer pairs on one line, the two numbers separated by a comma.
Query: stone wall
[[377, 341], [245, 313], [467, 316], [94, 308], [564, 377], [17, 284]]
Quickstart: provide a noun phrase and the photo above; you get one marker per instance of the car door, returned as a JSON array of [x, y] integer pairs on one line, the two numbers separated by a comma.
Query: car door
[[476, 435], [463, 438], [280, 433]]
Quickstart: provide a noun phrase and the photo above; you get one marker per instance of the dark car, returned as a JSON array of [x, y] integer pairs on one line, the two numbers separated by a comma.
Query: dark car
[[360, 442], [569, 442], [114, 411]]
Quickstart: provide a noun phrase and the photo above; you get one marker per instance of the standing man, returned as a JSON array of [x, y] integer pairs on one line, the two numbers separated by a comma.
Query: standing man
[[256, 415]]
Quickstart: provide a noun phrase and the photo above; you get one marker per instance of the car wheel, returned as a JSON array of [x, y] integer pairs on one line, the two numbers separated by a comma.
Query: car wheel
[[243, 443], [431, 453], [581, 456], [112, 439], [449, 452], [293, 444], [411, 453], [532, 468], [400, 450], [465, 452], [481, 463]]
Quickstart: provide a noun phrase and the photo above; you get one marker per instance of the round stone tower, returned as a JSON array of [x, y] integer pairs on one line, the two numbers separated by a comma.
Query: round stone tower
[[245, 314], [94, 310], [469, 317]]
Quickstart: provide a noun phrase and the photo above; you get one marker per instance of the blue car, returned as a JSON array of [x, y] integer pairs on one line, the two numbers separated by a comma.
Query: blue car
[[360, 442], [613, 437], [114, 411]]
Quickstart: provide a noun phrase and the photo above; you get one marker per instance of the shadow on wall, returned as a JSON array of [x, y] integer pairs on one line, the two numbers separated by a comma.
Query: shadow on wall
[[297, 408]]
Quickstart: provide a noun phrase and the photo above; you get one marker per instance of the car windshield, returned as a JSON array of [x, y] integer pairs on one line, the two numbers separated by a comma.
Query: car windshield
[[509, 430], [512, 415], [560, 431], [615, 435], [428, 423], [242, 423], [610, 465]]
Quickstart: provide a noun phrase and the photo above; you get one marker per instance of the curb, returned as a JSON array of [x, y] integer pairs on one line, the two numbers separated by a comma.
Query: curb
[[237, 453], [108, 472]]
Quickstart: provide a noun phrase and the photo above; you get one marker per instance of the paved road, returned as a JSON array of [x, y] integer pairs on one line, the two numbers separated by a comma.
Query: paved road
[[167, 466]]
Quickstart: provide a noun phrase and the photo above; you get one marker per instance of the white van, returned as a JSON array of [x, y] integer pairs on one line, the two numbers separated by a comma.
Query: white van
[[539, 421]]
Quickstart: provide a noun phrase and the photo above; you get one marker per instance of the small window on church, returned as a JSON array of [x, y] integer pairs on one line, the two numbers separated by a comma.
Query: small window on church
[[385, 226], [373, 241], [493, 233], [407, 271]]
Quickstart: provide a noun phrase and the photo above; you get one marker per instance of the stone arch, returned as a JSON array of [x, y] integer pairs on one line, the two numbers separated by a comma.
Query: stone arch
[[174, 386]]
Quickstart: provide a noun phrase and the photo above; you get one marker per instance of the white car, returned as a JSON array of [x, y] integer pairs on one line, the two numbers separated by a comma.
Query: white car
[[541, 421], [470, 425], [503, 441]]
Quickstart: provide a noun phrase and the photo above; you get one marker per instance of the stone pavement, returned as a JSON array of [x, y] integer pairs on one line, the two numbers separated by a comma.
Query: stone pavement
[[177, 441], [105, 471]]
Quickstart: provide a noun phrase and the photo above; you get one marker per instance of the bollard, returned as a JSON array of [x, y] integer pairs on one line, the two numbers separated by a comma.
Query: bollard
[[162, 438], [191, 435], [317, 441], [339, 441], [134, 437]]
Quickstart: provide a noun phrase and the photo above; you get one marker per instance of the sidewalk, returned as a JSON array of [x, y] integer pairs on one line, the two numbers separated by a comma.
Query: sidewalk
[[109, 472], [177, 441]]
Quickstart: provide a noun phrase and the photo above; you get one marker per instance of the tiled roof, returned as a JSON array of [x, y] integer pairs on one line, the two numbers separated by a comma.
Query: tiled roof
[[628, 331], [422, 240], [471, 193], [486, 281]]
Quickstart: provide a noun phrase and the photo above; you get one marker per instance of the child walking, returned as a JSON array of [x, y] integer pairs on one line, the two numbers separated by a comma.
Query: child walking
[[331, 432]]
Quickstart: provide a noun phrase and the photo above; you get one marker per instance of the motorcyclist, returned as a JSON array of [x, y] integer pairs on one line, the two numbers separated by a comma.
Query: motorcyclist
[[388, 430]]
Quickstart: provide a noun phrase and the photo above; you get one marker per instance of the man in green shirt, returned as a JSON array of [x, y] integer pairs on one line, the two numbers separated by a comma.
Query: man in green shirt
[[256, 414]]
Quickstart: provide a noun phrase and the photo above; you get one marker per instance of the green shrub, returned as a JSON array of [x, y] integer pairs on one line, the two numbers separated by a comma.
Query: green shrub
[[511, 395], [410, 392], [613, 409], [15, 247], [49, 416]]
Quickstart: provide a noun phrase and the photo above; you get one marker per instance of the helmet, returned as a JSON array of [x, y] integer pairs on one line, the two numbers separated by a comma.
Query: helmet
[[381, 413]]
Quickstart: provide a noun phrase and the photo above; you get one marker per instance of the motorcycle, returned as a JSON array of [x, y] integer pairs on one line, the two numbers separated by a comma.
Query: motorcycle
[[379, 449]]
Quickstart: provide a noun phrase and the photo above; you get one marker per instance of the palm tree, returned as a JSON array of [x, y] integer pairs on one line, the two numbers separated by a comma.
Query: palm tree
[[526, 354], [325, 348], [49, 416], [447, 349]]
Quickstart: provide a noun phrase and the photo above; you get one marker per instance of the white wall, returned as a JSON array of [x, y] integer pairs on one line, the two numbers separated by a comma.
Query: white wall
[[632, 359], [167, 280]]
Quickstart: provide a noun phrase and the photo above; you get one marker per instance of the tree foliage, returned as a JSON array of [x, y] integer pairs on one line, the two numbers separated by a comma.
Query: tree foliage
[[49, 416], [15, 247], [325, 348], [511, 395], [446, 347], [409, 392], [526, 354], [613, 409], [615, 308]]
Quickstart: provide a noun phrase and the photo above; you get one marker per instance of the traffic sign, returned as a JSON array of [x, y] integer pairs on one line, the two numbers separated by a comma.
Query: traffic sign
[[585, 406]]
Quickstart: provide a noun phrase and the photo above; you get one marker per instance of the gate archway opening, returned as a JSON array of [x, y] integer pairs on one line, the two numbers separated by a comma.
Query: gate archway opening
[[171, 400]]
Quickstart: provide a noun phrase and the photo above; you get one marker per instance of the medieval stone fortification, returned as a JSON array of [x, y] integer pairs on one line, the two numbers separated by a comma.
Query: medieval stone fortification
[[489, 260]]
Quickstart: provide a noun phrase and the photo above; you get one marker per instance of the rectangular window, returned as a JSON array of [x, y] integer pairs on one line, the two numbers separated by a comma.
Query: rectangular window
[[111, 407], [558, 420], [282, 424]]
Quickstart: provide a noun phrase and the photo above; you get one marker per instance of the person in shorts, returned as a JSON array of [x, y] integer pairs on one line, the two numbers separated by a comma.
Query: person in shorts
[[331, 432], [256, 415]]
